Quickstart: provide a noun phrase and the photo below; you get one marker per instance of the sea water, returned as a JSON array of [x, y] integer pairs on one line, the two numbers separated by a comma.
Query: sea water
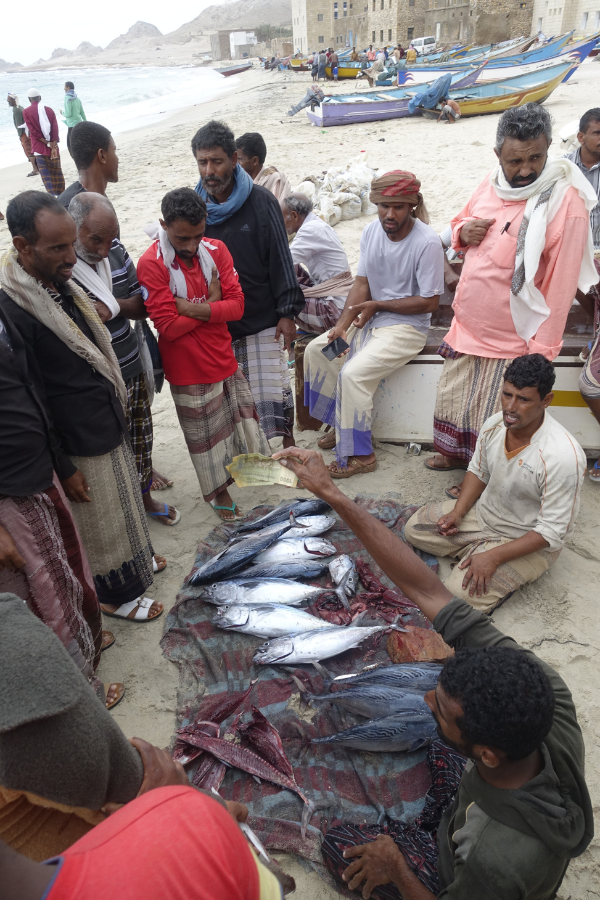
[[119, 98]]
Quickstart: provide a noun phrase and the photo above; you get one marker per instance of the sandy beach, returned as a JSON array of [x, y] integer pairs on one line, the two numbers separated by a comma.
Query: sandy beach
[[558, 615]]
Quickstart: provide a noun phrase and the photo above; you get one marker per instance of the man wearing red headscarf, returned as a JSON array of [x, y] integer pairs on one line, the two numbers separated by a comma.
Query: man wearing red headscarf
[[399, 279]]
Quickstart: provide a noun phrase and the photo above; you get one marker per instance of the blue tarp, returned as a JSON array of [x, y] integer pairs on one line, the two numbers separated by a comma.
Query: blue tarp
[[432, 96]]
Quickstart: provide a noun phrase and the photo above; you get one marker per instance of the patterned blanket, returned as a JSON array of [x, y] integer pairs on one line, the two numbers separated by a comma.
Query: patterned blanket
[[345, 785]]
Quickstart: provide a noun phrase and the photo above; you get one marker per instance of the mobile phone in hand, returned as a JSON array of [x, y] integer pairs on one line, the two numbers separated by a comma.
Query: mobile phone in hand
[[335, 348]]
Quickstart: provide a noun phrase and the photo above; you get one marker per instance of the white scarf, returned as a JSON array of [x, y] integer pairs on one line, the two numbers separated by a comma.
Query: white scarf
[[98, 282], [178, 284], [44, 121], [544, 198]]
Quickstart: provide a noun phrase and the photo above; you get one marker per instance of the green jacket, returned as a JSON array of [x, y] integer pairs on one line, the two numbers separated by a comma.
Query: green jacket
[[499, 844], [73, 113]]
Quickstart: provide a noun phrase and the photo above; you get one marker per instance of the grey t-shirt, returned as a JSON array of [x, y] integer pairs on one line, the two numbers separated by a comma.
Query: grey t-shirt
[[413, 267]]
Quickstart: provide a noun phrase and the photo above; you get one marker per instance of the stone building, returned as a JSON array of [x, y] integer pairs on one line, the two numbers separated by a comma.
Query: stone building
[[319, 24], [581, 16], [478, 21]]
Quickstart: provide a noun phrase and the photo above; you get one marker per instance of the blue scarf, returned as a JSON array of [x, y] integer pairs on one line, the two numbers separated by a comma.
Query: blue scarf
[[220, 212], [71, 94]]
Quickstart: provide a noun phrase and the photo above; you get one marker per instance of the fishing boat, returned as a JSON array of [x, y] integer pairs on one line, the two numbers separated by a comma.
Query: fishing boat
[[474, 99], [499, 58], [234, 70]]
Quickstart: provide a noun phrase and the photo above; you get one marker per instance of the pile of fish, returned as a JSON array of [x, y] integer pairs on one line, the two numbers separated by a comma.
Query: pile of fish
[[392, 699]]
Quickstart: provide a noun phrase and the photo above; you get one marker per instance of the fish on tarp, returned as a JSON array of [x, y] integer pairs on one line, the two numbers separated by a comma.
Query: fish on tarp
[[268, 620], [419, 676], [390, 734], [296, 549], [310, 526], [341, 566], [236, 557], [283, 591], [299, 507], [373, 700], [294, 569], [315, 645]]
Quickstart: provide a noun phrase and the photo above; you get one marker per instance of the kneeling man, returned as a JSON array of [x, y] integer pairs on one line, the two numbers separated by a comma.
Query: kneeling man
[[519, 499], [399, 280]]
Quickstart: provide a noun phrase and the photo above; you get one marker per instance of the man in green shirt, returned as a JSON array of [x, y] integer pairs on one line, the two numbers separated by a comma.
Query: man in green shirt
[[73, 113], [19, 122], [522, 810]]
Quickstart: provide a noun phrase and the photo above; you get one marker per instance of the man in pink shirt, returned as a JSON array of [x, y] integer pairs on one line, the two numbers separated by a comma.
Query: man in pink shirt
[[42, 129], [528, 249]]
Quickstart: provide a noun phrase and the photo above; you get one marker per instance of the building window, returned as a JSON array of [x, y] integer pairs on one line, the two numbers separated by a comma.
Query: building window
[[382, 4], [410, 33], [321, 39], [373, 38], [320, 17], [374, 6], [596, 20], [389, 34], [584, 20], [411, 2], [381, 35]]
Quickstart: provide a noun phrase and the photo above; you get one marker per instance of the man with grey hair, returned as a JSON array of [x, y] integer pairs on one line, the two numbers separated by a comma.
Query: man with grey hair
[[527, 242], [107, 274], [316, 249]]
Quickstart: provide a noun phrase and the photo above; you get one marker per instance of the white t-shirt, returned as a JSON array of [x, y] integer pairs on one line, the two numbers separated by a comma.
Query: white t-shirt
[[538, 489], [318, 247], [413, 267]]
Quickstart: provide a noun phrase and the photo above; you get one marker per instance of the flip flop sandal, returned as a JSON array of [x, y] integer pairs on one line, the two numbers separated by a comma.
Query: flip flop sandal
[[594, 472], [120, 693], [165, 513], [443, 468], [237, 513], [108, 640], [354, 467], [327, 442], [156, 568], [142, 608], [450, 494]]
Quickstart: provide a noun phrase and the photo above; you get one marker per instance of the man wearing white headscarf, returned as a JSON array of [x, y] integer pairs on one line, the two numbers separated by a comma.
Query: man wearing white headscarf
[[42, 128]]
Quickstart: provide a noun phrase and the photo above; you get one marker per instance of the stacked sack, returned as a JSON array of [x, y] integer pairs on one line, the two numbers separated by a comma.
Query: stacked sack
[[342, 192]]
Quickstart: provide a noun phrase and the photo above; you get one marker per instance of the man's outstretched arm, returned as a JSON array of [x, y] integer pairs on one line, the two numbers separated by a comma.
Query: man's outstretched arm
[[399, 562]]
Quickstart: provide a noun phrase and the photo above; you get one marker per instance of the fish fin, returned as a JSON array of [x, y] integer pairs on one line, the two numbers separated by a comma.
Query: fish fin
[[257, 779], [360, 617], [323, 671], [299, 685], [382, 813], [396, 627], [341, 590]]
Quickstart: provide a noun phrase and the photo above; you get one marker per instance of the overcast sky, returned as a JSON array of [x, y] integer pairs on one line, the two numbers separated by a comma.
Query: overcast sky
[[29, 33]]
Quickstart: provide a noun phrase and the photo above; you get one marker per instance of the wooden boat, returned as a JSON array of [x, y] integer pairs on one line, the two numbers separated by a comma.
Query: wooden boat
[[299, 65], [234, 70], [474, 99], [500, 58], [374, 106]]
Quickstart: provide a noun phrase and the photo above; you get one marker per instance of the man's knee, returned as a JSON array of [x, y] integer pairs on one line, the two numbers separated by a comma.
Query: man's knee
[[410, 531]]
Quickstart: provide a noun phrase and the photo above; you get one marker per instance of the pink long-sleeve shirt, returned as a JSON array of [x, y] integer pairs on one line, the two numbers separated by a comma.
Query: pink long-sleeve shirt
[[483, 324]]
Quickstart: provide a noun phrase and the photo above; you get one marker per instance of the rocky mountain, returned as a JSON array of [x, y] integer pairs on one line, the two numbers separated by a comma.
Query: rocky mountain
[[235, 14], [5, 66], [141, 30]]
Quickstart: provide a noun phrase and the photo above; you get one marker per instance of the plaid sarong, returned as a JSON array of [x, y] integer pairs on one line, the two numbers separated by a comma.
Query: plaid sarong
[[52, 174], [139, 422], [113, 526], [26, 144], [56, 582], [468, 393], [264, 364], [219, 421]]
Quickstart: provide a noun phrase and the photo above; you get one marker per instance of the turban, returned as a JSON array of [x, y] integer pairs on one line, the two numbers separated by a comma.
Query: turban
[[399, 187], [13, 97]]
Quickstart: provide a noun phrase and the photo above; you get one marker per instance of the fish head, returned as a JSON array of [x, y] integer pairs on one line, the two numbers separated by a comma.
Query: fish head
[[319, 547], [231, 616], [274, 651]]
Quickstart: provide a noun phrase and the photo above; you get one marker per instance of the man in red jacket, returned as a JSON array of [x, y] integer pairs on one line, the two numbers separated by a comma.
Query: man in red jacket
[[42, 128], [191, 291]]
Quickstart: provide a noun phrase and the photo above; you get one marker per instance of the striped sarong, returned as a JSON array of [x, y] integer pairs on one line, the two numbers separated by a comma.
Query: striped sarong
[[219, 421], [264, 364], [468, 393], [56, 582], [139, 422], [52, 174], [113, 526], [342, 391]]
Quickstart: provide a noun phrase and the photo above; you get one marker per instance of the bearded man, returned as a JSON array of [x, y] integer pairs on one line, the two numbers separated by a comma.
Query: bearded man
[[528, 248]]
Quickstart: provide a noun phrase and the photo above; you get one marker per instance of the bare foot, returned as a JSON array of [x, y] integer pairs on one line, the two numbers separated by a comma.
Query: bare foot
[[160, 482], [440, 462]]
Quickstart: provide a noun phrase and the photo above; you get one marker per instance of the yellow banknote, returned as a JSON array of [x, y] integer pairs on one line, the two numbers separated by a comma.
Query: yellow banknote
[[252, 469]]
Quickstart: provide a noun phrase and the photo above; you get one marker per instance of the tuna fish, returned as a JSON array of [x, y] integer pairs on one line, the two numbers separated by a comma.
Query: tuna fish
[[339, 567], [284, 550], [414, 676], [282, 591], [313, 646], [269, 620], [391, 734], [373, 700], [310, 526], [236, 557], [294, 569], [299, 507]]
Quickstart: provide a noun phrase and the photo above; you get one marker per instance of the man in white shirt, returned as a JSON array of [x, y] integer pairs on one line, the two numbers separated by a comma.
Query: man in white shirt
[[386, 318], [519, 499], [319, 250]]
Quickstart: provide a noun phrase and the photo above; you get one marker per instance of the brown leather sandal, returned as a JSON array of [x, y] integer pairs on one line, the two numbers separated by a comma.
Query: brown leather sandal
[[327, 442], [354, 467]]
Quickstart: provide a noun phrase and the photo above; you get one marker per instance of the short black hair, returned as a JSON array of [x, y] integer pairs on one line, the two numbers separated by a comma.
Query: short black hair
[[70, 85], [86, 139], [506, 698], [214, 134], [533, 370], [253, 144], [592, 115], [23, 209], [183, 203]]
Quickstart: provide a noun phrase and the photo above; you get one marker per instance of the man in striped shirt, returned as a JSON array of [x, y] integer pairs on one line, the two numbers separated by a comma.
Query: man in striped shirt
[[587, 159]]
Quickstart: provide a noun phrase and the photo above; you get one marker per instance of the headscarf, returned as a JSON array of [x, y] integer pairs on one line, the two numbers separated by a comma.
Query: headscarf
[[399, 187], [70, 94], [164, 248], [13, 97], [217, 213]]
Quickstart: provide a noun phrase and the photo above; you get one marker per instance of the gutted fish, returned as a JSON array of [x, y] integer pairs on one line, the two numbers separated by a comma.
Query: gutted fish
[[391, 734], [237, 556], [373, 700], [299, 507], [260, 590], [313, 646], [340, 567], [418, 676], [295, 550], [310, 526], [268, 620]]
